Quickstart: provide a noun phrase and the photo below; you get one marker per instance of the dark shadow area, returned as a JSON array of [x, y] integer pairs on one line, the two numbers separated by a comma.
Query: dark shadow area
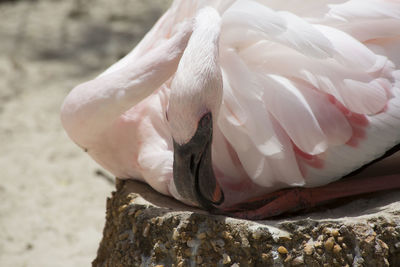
[[350, 207], [353, 207]]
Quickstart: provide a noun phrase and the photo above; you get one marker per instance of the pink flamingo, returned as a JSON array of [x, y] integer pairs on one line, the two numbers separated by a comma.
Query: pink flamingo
[[249, 108]]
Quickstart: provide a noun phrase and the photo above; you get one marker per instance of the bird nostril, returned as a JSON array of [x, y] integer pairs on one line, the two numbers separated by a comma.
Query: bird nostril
[[205, 120]]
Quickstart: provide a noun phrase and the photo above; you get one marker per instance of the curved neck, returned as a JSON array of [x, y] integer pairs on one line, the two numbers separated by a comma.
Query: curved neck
[[197, 86]]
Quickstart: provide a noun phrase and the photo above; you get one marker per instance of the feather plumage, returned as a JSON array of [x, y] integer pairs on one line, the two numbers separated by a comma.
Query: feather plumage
[[311, 91]]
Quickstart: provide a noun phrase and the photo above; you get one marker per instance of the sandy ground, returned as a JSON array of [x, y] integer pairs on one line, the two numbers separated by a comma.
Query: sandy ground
[[52, 202]]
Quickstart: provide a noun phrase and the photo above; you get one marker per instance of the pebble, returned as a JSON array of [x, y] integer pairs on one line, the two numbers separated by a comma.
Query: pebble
[[383, 244], [138, 213], [201, 235], [226, 259], [337, 249], [307, 236], [298, 261], [329, 243], [146, 230], [134, 228], [386, 262], [257, 234], [123, 236], [158, 247], [282, 250], [122, 208], [370, 239], [349, 257], [175, 234], [318, 244], [314, 233], [335, 233], [391, 230], [188, 252], [326, 231], [245, 242], [265, 257], [226, 235], [308, 249], [288, 258]]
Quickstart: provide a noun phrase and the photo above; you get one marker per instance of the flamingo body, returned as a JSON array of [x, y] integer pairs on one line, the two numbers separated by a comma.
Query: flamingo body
[[310, 93]]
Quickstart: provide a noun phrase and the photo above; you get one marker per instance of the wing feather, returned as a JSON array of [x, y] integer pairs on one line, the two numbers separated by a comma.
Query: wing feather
[[290, 70]]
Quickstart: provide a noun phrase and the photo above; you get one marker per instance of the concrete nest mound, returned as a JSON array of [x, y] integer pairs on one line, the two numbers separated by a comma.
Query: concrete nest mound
[[144, 228]]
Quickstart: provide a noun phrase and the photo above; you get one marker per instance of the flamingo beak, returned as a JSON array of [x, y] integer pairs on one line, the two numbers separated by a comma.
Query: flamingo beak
[[193, 173]]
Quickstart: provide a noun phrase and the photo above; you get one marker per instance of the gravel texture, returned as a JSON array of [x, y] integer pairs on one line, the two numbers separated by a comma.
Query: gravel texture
[[144, 228]]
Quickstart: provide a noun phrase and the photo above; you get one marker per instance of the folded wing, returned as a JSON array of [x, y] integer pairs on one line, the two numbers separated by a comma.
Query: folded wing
[[305, 86]]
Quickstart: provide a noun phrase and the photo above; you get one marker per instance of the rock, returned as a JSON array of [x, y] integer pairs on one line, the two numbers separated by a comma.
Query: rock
[[337, 249], [283, 250], [329, 244], [144, 228], [308, 249]]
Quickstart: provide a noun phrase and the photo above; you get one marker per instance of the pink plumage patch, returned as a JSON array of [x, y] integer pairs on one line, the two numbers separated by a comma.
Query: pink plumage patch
[[358, 122]]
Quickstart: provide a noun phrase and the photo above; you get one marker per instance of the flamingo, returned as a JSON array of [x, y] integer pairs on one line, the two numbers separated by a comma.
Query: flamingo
[[249, 108]]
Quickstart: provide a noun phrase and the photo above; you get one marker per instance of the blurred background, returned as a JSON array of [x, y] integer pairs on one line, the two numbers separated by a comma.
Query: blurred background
[[52, 195]]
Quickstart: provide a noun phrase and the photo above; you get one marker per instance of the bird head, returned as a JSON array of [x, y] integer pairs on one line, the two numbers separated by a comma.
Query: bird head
[[195, 99]]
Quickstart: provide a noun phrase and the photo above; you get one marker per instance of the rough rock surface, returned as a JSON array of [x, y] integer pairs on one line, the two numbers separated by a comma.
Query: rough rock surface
[[144, 228]]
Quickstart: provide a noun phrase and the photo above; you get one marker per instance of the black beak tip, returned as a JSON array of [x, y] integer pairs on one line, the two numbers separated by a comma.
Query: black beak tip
[[193, 172], [210, 199]]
